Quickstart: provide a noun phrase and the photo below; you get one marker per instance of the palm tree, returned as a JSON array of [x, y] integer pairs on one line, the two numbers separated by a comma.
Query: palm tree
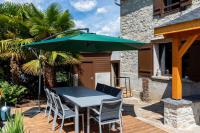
[[47, 23], [14, 33], [11, 48], [47, 62], [24, 23], [43, 25]]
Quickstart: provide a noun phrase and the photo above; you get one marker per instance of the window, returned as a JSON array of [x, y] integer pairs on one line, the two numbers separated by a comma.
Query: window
[[171, 6], [165, 7], [156, 60], [165, 59]]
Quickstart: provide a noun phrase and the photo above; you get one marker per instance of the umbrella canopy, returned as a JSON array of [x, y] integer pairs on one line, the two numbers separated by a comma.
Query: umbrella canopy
[[86, 42]]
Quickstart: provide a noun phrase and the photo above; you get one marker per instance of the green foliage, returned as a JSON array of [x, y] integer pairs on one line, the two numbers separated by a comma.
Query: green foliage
[[21, 24], [61, 77], [11, 94], [14, 125]]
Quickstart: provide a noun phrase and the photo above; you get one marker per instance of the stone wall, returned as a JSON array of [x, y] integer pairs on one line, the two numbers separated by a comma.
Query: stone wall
[[182, 113], [138, 23], [178, 114], [196, 111]]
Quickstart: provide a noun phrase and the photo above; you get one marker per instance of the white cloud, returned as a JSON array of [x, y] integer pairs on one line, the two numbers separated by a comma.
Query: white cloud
[[111, 28], [101, 10], [83, 5], [80, 24]]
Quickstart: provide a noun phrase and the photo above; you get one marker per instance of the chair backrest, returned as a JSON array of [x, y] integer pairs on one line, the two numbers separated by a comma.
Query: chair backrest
[[52, 99], [113, 91], [47, 95], [100, 87], [120, 94], [110, 109], [59, 104]]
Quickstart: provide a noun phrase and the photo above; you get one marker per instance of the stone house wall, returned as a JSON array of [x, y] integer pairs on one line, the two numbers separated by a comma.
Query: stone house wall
[[138, 23]]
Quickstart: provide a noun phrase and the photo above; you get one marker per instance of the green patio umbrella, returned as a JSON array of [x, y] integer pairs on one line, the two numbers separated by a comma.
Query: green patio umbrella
[[86, 42]]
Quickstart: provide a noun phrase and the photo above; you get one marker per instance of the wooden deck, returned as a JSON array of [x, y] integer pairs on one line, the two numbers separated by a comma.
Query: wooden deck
[[39, 124]]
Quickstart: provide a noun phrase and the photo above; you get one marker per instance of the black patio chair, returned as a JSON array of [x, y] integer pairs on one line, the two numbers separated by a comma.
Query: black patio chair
[[113, 91], [110, 112], [100, 87], [49, 102]]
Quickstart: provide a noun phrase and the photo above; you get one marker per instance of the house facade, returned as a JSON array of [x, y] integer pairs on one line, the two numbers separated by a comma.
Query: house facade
[[151, 66]]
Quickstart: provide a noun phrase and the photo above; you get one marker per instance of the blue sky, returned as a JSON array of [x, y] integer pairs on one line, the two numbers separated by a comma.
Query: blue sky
[[100, 16]]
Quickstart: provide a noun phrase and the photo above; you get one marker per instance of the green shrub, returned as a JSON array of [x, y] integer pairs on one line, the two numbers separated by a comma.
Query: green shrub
[[11, 94], [14, 125]]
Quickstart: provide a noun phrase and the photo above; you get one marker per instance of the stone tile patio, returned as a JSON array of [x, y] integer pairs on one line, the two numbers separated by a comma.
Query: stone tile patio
[[152, 113]]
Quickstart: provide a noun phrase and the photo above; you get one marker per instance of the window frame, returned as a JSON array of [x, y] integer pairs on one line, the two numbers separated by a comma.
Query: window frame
[[160, 9]]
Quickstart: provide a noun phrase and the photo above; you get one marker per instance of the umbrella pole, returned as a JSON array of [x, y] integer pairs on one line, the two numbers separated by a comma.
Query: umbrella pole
[[40, 84]]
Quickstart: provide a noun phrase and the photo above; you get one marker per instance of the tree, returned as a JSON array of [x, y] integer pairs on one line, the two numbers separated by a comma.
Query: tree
[[11, 48], [47, 62], [24, 23], [14, 33], [43, 25]]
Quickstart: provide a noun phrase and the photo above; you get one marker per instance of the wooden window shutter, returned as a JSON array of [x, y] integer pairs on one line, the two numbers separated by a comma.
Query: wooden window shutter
[[194, 64], [158, 7], [145, 61], [185, 3]]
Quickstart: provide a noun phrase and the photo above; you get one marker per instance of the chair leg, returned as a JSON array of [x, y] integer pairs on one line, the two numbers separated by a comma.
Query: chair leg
[[46, 110], [83, 123], [49, 113], [62, 124], [120, 126], [54, 121], [88, 120], [122, 120], [100, 129]]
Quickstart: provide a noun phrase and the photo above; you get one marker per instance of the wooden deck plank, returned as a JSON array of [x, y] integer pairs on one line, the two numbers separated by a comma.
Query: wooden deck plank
[[39, 124]]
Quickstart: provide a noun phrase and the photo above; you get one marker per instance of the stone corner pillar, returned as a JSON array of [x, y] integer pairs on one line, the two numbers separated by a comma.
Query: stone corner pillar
[[178, 113]]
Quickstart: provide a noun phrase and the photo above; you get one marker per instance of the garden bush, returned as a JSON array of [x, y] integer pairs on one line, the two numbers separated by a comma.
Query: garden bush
[[11, 94]]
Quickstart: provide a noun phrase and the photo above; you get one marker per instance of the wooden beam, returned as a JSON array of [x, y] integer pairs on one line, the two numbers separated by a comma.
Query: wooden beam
[[184, 35], [187, 45], [176, 70], [179, 27]]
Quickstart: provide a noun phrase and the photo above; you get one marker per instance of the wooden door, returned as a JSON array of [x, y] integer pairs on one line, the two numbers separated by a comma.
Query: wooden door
[[87, 78]]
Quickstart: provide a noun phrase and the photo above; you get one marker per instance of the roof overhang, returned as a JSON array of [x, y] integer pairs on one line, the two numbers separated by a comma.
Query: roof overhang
[[179, 29]]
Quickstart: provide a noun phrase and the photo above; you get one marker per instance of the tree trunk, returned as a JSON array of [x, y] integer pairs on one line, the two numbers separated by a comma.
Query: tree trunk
[[49, 76], [15, 70]]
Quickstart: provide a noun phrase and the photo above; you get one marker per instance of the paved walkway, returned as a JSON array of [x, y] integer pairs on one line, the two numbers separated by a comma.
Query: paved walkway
[[152, 113]]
